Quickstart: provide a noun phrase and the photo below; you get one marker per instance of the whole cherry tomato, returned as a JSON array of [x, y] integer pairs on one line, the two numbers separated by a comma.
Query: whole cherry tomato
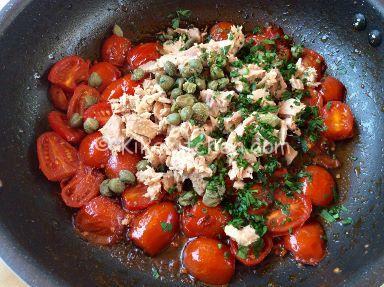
[[154, 229], [332, 89], [134, 198], [58, 97], [93, 150], [312, 59], [262, 195], [116, 89], [59, 123], [101, 221], [314, 98], [69, 72], [100, 111], [115, 49], [220, 31], [209, 261], [142, 54], [78, 102], [120, 161], [338, 119], [107, 72]]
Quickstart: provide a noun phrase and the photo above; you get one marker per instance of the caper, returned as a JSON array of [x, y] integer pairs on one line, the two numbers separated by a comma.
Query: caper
[[191, 68], [189, 87], [76, 121], [200, 112], [176, 92], [170, 68], [196, 65], [126, 176], [179, 83], [95, 80], [166, 82], [200, 83], [104, 189], [116, 185], [138, 74], [213, 85], [174, 119], [216, 72], [186, 113], [90, 101], [222, 83], [91, 125], [142, 165], [185, 101], [118, 31]]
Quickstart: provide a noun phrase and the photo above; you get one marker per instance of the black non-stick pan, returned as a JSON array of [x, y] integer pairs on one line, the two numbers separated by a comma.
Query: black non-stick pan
[[36, 236]]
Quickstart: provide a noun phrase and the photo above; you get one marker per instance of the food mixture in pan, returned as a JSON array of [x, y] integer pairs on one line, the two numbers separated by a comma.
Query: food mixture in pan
[[222, 136]]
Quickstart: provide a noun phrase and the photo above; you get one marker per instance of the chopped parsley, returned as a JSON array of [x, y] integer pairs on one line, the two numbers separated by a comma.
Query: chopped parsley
[[155, 272], [180, 14], [166, 227]]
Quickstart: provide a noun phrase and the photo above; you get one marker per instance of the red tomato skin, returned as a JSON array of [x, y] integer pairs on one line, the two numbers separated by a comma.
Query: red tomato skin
[[115, 49], [82, 187], [116, 89], [93, 150], [307, 243], [133, 198], [58, 122], [142, 54], [120, 161], [251, 260], [319, 186], [339, 121], [147, 232], [331, 89], [201, 220], [220, 31], [206, 261], [77, 103], [107, 72], [101, 112], [314, 99], [312, 59], [100, 221], [68, 72], [261, 194], [58, 97], [57, 158]]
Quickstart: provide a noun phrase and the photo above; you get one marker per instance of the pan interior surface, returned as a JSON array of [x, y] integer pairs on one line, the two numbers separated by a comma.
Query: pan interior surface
[[36, 233]]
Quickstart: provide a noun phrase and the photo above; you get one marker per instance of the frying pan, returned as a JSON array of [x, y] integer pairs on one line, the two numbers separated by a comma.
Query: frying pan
[[36, 236]]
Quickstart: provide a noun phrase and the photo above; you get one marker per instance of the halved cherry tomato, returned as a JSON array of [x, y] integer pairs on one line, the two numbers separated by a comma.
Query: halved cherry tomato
[[201, 220], [251, 259], [107, 72], [115, 49], [59, 123], [58, 97], [116, 89], [291, 213], [314, 99], [154, 229], [220, 31], [101, 112], [209, 261], [120, 161], [93, 150], [80, 189], [57, 158], [100, 221], [68, 72], [134, 199], [332, 89], [78, 104], [142, 54], [262, 195], [307, 243], [319, 185], [338, 119], [312, 59], [326, 161]]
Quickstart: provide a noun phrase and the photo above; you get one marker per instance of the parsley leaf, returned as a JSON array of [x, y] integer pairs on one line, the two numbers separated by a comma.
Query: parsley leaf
[[166, 227]]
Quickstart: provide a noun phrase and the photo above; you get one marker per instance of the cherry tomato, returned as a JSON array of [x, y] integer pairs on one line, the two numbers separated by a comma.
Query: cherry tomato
[[58, 97], [291, 213], [201, 220], [272, 33], [107, 72], [314, 99], [307, 243], [332, 89], [100, 111], [279, 174], [338, 119], [312, 59], [100, 221], [251, 259], [256, 40], [93, 150], [326, 161], [120, 161], [78, 103], [284, 52], [115, 49], [142, 54], [57, 158], [116, 89], [80, 189], [58, 122], [69, 72], [209, 261], [134, 199], [319, 185], [262, 195], [154, 229], [220, 31]]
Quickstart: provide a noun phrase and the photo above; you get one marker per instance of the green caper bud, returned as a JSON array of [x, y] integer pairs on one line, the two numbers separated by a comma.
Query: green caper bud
[[142, 165], [185, 101], [137, 74], [189, 87], [104, 189], [200, 112], [118, 31], [170, 68], [76, 121], [196, 65], [176, 92], [116, 185], [179, 83], [91, 125], [216, 72], [174, 119], [186, 113], [166, 82], [95, 80], [213, 85], [90, 101], [200, 83], [126, 176], [222, 83], [191, 68]]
